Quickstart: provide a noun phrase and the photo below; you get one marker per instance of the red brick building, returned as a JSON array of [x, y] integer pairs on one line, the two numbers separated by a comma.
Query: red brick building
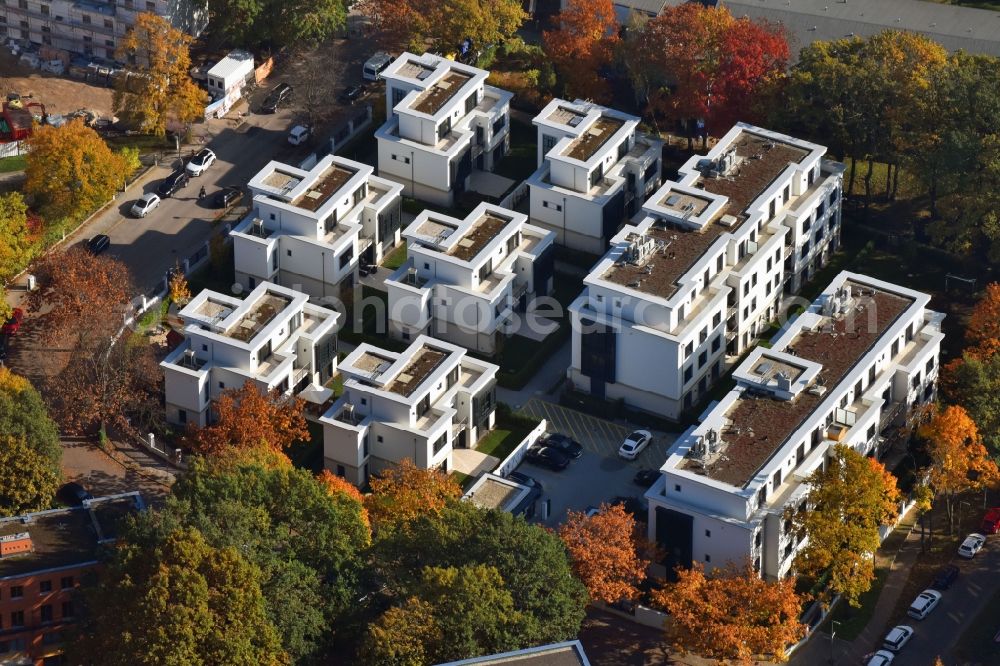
[[43, 557]]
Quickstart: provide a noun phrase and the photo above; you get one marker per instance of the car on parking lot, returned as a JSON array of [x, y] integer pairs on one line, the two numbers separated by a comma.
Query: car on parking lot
[[944, 577], [372, 69], [299, 134], [350, 94], [991, 521], [98, 243], [145, 204], [880, 658], [73, 494], [634, 444], [925, 602], [280, 94], [13, 323], [646, 477], [227, 196], [972, 545], [525, 480], [897, 637], [546, 456], [200, 162], [567, 445], [175, 181]]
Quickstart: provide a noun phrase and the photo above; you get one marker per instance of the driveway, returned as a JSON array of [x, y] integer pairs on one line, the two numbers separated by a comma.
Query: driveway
[[86, 464]]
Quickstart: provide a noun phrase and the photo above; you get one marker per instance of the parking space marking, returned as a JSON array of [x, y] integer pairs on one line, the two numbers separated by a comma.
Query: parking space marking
[[595, 434]]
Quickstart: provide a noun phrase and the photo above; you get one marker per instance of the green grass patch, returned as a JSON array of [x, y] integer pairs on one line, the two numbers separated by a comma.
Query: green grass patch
[[522, 159], [510, 430], [396, 258], [464, 480], [336, 384], [12, 163], [852, 621]]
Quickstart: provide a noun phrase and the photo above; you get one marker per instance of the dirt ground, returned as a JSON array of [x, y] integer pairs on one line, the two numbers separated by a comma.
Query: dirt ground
[[59, 94]]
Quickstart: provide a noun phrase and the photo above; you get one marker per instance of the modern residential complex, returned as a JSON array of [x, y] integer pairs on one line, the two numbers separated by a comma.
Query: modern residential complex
[[273, 337], [704, 273], [417, 404], [43, 557], [310, 230], [848, 370], [463, 279], [445, 122], [92, 27], [594, 172]]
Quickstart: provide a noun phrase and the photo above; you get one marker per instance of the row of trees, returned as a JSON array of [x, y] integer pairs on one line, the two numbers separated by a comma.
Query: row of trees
[[29, 448]]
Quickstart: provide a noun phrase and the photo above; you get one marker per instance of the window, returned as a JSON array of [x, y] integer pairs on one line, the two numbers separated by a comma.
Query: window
[[702, 359], [688, 349], [289, 252], [345, 259], [66, 582], [67, 609], [677, 487], [703, 335], [688, 373], [16, 591], [222, 385], [895, 348], [770, 263], [708, 558], [548, 143], [150, 6], [753, 280], [341, 472], [708, 533], [364, 401], [717, 319], [805, 249], [108, 23], [86, 19], [930, 364], [718, 263], [364, 450], [547, 204], [182, 416], [788, 192], [17, 619], [806, 224], [716, 343], [378, 439], [746, 288], [45, 586], [46, 612]]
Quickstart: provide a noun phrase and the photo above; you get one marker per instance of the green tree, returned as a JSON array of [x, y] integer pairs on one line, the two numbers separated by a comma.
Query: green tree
[[180, 602], [23, 416], [27, 480], [441, 25], [975, 385], [276, 23], [849, 499], [16, 244]]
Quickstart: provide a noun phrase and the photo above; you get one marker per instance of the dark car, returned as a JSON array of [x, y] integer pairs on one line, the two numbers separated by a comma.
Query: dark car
[[13, 323], [351, 93], [646, 477], [227, 196], [526, 480], [98, 243], [172, 183], [945, 576], [546, 456], [73, 494], [567, 445], [278, 96]]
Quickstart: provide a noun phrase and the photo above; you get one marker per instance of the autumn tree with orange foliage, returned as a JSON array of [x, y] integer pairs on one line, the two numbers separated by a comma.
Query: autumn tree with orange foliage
[[338, 486], [405, 492], [732, 614], [602, 550], [248, 418], [583, 45], [959, 461], [983, 331]]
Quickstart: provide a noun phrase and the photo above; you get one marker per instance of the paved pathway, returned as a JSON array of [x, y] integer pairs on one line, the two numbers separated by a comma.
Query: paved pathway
[[472, 462]]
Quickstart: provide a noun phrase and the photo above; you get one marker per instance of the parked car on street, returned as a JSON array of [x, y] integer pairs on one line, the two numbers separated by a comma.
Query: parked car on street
[[98, 243], [280, 94], [567, 445], [944, 577], [925, 602], [145, 204], [227, 196], [175, 181], [897, 637], [972, 545], [546, 456], [646, 477], [13, 323], [299, 134], [634, 444], [880, 658], [350, 94], [200, 162], [991, 521]]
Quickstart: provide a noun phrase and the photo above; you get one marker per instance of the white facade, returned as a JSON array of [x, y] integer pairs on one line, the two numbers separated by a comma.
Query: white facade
[[273, 337], [92, 27], [417, 404], [309, 230], [845, 371], [705, 271], [463, 279], [445, 122], [231, 74], [594, 172]]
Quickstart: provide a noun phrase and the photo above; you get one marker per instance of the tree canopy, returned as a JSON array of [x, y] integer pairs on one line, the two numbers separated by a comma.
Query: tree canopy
[[441, 25], [582, 45], [23, 416], [27, 480], [405, 492], [16, 243], [602, 549], [276, 23], [974, 383]]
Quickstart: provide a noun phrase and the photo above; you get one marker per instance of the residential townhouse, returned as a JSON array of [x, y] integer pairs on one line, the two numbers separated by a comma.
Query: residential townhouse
[[464, 279], [705, 271], [92, 27], [417, 404], [310, 230], [43, 558], [849, 370], [444, 122], [273, 337], [595, 170]]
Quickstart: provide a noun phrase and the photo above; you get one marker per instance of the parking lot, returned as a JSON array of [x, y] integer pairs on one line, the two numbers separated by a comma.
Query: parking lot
[[598, 475]]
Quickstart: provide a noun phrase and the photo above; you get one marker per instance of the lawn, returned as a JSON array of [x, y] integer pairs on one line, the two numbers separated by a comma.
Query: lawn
[[510, 430], [13, 163], [522, 160], [396, 258]]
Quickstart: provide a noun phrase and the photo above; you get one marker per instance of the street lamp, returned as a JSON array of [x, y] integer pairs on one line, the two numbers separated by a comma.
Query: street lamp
[[833, 635]]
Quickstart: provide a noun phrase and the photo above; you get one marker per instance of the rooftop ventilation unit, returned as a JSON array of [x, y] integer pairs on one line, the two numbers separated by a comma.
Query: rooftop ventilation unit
[[728, 221], [784, 381]]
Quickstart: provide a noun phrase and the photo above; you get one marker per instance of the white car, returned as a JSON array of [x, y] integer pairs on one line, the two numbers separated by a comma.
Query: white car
[[880, 658], [145, 204], [634, 444], [299, 135], [925, 602], [897, 638], [972, 545], [200, 162]]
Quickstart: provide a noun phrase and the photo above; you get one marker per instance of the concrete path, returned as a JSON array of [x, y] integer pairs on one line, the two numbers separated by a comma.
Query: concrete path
[[472, 462]]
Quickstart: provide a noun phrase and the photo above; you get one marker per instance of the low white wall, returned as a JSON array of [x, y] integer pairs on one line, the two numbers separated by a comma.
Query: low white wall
[[510, 463]]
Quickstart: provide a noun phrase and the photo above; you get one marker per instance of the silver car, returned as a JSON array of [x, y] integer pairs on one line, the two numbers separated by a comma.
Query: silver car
[[145, 204]]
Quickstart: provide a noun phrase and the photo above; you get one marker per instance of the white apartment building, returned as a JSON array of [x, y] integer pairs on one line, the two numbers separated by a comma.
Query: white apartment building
[[463, 279], [594, 172], [273, 337], [705, 271], [310, 230], [445, 122], [92, 27], [846, 371], [417, 404]]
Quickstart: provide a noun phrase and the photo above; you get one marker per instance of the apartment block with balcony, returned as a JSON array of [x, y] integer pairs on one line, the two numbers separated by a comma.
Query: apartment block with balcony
[[43, 558], [273, 337], [849, 370], [418, 404], [310, 230], [92, 27], [444, 122], [463, 279], [705, 271], [595, 170]]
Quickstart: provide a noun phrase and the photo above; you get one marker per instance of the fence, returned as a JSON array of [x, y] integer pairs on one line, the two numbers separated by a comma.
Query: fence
[[510, 463], [13, 148], [340, 137], [516, 196]]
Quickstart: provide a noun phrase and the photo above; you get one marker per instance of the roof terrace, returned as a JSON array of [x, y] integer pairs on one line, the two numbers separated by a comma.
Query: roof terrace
[[565, 115], [478, 236], [758, 426], [416, 371], [325, 186], [259, 315], [435, 97], [584, 146]]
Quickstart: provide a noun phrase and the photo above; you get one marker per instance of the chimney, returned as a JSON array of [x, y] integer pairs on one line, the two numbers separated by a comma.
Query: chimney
[[15, 544]]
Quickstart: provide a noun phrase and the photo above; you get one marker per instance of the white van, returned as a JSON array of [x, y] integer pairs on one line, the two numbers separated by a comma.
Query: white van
[[374, 66], [299, 135]]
